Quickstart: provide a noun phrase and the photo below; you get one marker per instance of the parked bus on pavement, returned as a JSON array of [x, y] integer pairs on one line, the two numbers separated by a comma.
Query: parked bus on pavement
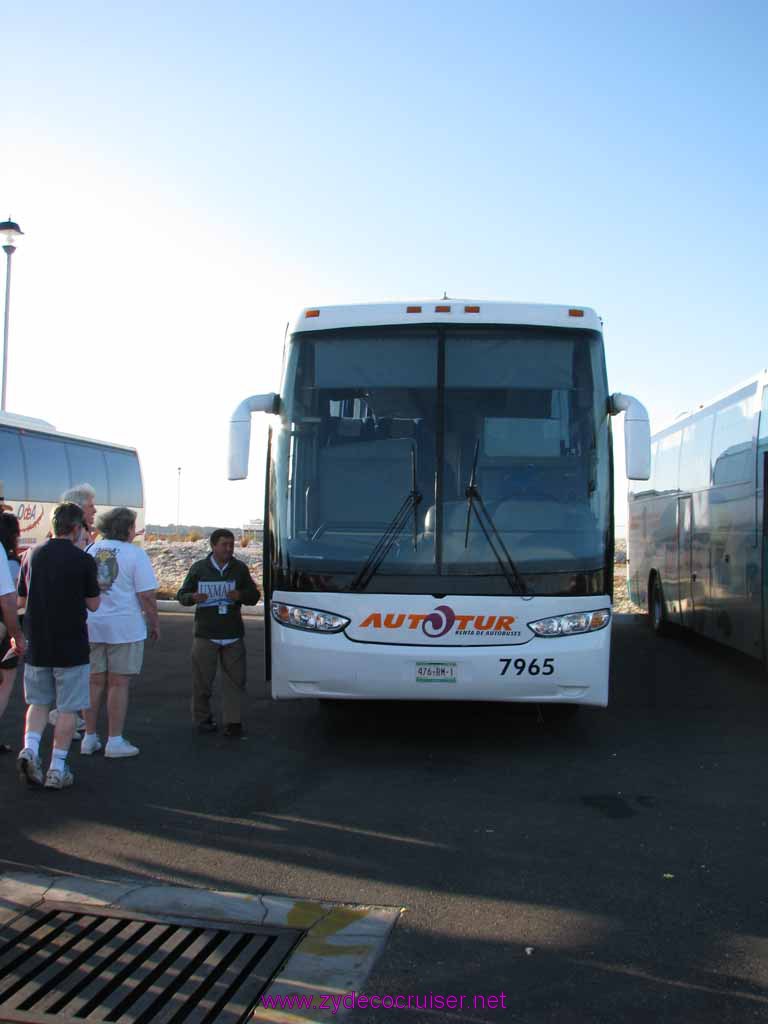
[[439, 506], [697, 529], [38, 464]]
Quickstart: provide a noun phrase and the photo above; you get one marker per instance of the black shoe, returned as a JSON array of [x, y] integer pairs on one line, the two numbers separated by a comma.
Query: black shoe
[[207, 726], [234, 729]]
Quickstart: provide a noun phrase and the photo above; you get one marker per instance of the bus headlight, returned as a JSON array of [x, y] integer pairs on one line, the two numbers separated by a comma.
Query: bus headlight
[[308, 618], [567, 625]]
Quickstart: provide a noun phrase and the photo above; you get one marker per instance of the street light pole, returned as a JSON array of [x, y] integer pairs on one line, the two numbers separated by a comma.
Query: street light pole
[[178, 500], [10, 232]]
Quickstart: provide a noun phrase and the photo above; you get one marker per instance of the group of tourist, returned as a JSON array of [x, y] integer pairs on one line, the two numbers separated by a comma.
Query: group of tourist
[[89, 602]]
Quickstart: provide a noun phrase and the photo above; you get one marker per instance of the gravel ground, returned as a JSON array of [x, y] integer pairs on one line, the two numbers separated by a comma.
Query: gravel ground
[[172, 559]]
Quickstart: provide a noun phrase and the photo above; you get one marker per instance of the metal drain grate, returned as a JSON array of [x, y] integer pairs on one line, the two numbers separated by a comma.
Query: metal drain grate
[[72, 963]]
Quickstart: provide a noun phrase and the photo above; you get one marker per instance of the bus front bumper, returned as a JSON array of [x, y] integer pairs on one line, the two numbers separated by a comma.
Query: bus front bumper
[[569, 669]]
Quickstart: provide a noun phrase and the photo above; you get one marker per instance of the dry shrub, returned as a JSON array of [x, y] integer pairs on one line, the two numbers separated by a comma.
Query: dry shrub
[[194, 535]]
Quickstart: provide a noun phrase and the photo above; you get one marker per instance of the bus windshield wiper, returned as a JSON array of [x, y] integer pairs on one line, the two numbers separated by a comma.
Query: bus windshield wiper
[[391, 533], [476, 504]]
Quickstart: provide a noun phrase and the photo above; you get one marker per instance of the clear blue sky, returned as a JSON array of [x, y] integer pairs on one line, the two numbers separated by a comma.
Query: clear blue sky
[[188, 176]]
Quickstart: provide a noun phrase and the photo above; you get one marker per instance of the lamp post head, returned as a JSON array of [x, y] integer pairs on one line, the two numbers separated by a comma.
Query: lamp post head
[[10, 232]]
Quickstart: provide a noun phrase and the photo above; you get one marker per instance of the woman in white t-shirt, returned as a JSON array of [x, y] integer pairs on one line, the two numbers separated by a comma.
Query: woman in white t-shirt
[[118, 629]]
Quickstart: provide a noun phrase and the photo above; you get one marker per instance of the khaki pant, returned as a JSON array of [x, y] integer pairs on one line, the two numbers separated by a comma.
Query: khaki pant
[[206, 658]]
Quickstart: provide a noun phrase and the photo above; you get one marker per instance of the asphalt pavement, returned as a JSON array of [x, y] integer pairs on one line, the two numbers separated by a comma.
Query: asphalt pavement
[[606, 869]]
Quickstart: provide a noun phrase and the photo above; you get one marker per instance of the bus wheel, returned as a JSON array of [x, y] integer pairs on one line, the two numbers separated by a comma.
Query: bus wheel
[[658, 613]]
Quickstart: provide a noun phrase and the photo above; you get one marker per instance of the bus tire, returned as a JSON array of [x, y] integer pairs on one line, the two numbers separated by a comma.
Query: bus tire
[[656, 608]]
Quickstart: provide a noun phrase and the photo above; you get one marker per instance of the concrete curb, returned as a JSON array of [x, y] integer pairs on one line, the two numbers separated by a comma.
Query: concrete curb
[[174, 606], [334, 956]]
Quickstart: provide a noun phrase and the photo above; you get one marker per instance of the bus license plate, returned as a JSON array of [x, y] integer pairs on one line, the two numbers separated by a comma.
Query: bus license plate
[[435, 671]]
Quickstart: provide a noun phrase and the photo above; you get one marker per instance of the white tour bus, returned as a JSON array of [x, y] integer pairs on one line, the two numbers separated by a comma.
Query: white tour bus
[[37, 464], [697, 529], [439, 520]]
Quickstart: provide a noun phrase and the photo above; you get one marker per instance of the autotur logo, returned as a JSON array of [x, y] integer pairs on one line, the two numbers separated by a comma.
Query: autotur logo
[[440, 622]]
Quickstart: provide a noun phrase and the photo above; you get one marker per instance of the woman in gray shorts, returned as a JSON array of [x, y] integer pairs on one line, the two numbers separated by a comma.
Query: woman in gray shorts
[[118, 629]]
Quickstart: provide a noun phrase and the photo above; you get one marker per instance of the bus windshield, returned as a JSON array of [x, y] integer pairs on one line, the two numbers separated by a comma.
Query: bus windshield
[[373, 416]]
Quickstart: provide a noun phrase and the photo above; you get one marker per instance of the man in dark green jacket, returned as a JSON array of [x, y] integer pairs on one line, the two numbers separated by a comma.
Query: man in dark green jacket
[[217, 586]]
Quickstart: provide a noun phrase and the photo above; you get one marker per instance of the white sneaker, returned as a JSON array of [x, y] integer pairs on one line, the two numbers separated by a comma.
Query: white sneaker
[[120, 748], [59, 778], [90, 745]]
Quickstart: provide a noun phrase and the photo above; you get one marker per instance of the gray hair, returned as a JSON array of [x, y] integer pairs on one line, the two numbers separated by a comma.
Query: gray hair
[[65, 517], [80, 494], [116, 523]]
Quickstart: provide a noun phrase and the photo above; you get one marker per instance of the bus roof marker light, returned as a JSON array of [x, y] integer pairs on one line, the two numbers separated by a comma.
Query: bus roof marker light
[[442, 309], [575, 312], [471, 309], [413, 309], [312, 312]]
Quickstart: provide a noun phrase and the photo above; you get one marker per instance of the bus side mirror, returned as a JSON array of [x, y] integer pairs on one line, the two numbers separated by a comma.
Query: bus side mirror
[[240, 431], [637, 435]]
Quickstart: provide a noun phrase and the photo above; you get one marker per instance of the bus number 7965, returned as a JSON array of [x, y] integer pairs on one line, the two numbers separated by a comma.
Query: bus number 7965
[[520, 665]]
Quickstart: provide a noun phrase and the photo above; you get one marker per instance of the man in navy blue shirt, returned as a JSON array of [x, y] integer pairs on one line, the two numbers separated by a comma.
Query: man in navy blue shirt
[[59, 582]]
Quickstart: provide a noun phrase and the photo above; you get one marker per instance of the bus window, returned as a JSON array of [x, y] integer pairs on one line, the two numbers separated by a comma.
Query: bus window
[[694, 457], [14, 484], [732, 444], [86, 463], [521, 437], [124, 479], [666, 467], [47, 467], [762, 440]]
